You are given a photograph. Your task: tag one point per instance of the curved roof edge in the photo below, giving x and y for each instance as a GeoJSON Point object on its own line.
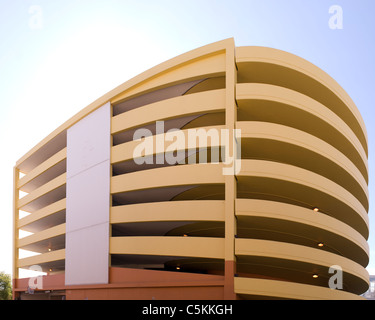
{"type": "Point", "coordinates": [297, 62]}
{"type": "Point", "coordinates": [226, 44]}
{"type": "Point", "coordinates": [287, 59]}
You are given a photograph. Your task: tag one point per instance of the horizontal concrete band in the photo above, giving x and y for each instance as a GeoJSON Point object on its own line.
{"type": "Point", "coordinates": [288, 290]}
{"type": "Point", "coordinates": [282, 250]}
{"type": "Point", "coordinates": [259, 168]}
{"type": "Point", "coordinates": [197, 103]}
{"type": "Point", "coordinates": [254, 91]}
{"type": "Point", "coordinates": [271, 131]}
{"type": "Point", "coordinates": [169, 246]}
{"type": "Point", "coordinates": [307, 70]}
{"type": "Point", "coordinates": [343, 237]}
{"type": "Point", "coordinates": [169, 211]}
{"type": "Point", "coordinates": [41, 258]}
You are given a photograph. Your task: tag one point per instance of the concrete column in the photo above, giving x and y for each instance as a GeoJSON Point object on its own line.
{"type": "Point", "coordinates": [230, 180]}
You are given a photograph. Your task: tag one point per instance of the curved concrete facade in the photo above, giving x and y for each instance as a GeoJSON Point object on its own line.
{"type": "Point", "coordinates": [258, 192]}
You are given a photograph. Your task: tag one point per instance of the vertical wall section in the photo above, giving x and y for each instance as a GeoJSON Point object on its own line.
{"type": "Point", "coordinates": [88, 197]}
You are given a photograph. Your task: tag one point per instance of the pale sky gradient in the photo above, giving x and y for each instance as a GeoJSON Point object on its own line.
{"type": "Point", "coordinates": [82, 49]}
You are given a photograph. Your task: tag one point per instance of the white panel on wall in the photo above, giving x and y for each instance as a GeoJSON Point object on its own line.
{"type": "Point", "coordinates": [88, 199]}
{"type": "Point", "coordinates": [89, 141]}
{"type": "Point", "coordinates": [88, 256]}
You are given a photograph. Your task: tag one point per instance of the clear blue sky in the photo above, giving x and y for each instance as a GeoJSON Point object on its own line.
{"type": "Point", "coordinates": [58, 56]}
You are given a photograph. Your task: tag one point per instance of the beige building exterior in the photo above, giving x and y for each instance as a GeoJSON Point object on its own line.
{"type": "Point", "coordinates": [121, 207]}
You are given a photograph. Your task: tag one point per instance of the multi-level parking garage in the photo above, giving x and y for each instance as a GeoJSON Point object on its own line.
{"type": "Point", "coordinates": [108, 226]}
